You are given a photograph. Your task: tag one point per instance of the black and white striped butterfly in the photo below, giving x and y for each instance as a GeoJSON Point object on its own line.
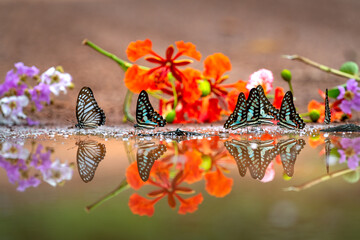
{"type": "Point", "coordinates": [267, 111]}
{"type": "Point", "coordinates": [238, 118]}
{"type": "Point", "coordinates": [253, 155]}
{"type": "Point", "coordinates": [89, 155]}
{"type": "Point", "coordinates": [147, 154]}
{"type": "Point", "coordinates": [327, 119]}
{"type": "Point", "coordinates": [146, 117]}
{"type": "Point", "coordinates": [289, 150]}
{"type": "Point", "coordinates": [327, 153]}
{"type": "Point", "coordinates": [288, 117]}
{"type": "Point", "coordinates": [88, 113]}
{"type": "Point", "coordinates": [253, 108]}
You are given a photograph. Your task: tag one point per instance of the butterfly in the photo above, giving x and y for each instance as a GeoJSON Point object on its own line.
{"type": "Point", "coordinates": [288, 150]}
{"type": "Point", "coordinates": [88, 113]}
{"type": "Point", "coordinates": [327, 152]}
{"type": "Point", "coordinates": [253, 108]}
{"type": "Point", "coordinates": [89, 154]}
{"type": "Point", "coordinates": [252, 155]}
{"type": "Point", "coordinates": [146, 117]}
{"type": "Point", "coordinates": [238, 118]}
{"type": "Point", "coordinates": [327, 109]}
{"type": "Point", "coordinates": [147, 153]}
{"type": "Point", "coordinates": [267, 111]}
{"type": "Point", "coordinates": [288, 117]}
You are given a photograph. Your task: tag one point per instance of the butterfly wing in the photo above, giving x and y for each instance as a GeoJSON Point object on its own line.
{"type": "Point", "coordinates": [240, 153]}
{"type": "Point", "coordinates": [267, 111]}
{"type": "Point", "coordinates": [289, 149]}
{"type": "Point", "coordinates": [238, 118]}
{"type": "Point", "coordinates": [89, 154]}
{"type": "Point", "coordinates": [253, 107]}
{"type": "Point", "coordinates": [327, 119]}
{"type": "Point", "coordinates": [88, 113]}
{"type": "Point", "coordinates": [146, 117]}
{"type": "Point", "coordinates": [146, 156]}
{"type": "Point", "coordinates": [288, 117]}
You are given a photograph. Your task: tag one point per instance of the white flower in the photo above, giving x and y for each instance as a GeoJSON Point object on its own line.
{"type": "Point", "coordinates": [14, 151]}
{"type": "Point", "coordinates": [262, 77]}
{"type": "Point", "coordinates": [57, 173]}
{"type": "Point", "coordinates": [56, 80]}
{"type": "Point", "coordinates": [12, 107]}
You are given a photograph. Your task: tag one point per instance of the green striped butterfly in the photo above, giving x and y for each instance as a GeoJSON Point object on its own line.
{"type": "Point", "coordinates": [146, 117]}
{"type": "Point", "coordinates": [267, 111]}
{"type": "Point", "coordinates": [288, 117]}
{"type": "Point", "coordinates": [253, 108]}
{"type": "Point", "coordinates": [238, 118]}
{"type": "Point", "coordinates": [327, 119]}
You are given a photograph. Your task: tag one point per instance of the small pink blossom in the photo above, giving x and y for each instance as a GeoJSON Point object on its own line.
{"type": "Point", "coordinates": [262, 77]}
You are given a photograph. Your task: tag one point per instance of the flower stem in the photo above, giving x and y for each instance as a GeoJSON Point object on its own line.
{"type": "Point", "coordinates": [123, 64]}
{"type": "Point", "coordinates": [321, 67]}
{"type": "Point", "coordinates": [123, 186]}
{"type": "Point", "coordinates": [126, 108]}
{"type": "Point", "coordinates": [320, 180]}
{"type": "Point", "coordinates": [172, 81]}
{"type": "Point", "coordinates": [290, 86]}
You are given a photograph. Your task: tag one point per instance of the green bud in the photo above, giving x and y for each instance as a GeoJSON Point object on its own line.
{"type": "Point", "coordinates": [350, 68]}
{"type": "Point", "coordinates": [170, 116]}
{"type": "Point", "coordinates": [205, 87]}
{"type": "Point", "coordinates": [314, 115]}
{"type": "Point", "coordinates": [352, 177]}
{"type": "Point", "coordinates": [286, 177]}
{"type": "Point", "coordinates": [71, 86]}
{"type": "Point", "coordinates": [286, 75]}
{"type": "Point", "coordinates": [206, 162]}
{"type": "Point", "coordinates": [60, 69]}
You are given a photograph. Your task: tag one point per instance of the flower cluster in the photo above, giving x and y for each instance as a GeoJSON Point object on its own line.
{"type": "Point", "coordinates": [23, 86]}
{"type": "Point", "coordinates": [27, 169]}
{"type": "Point", "coordinates": [194, 95]}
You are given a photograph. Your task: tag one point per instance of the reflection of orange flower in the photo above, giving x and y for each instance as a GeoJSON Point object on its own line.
{"type": "Point", "coordinates": [137, 79]}
{"type": "Point", "coordinates": [316, 141]}
{"type": "Point", "coordinates": [132, 176]}
{"type": "Point", "coordinates": [192, 171]}
{"type": "Point", "coordinates": [142, 206]}
{"type": "Point", "coordinates": [190, 205]}
{"type": "Point", "coordinates": [217, 184]}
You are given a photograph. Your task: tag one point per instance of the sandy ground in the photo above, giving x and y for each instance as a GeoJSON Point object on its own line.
{"type": "Point", "coordinates": [253, 33]}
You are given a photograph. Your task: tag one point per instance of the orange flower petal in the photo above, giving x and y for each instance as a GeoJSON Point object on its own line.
{"type": "Point", "coordinates": [192, 171]}
{"type": "Point", "coordinates": [132, 176]}
{"type": "Point", "coordinates": [190, 205]}
{"type": "Point", "coordinates": [141, 206]}
{"type": "Point", "coordinates": [191, 91]}
{"type": "Point", "coordinates": [188, 49]}
{"type": "Point", "coordinates": [217, 184]}
{"type": "Point", "coordinates": [138, 49]}
{"type": "Point", "coordinates": [216, 65]}
{"type": "Point", "coordinates": [279, 94]}
{"type": "Point", "coordinates": [137, 79]}
{"type": "Point", "coordinates": [210, 110]}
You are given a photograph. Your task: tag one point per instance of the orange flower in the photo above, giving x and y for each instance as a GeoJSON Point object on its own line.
{"type": "Point", "coordinates": [157, 76]}
{"type": "Point", "coordinates": [217, 184]}
{"type": "Point", "coordinates": [192, 171]}
{"type": "Point", "coordinates": [142, 206]}
{"type": "Point", "coordinates": [190, 205]}
{"type": "Point", "coordinates": [210, 110]}
{"type": "Point", "coordinates": [279, 95]}
{"type": "Point", "coordinates": [190, 89]}
{"type": "Point", "coordinates": [320, 107]}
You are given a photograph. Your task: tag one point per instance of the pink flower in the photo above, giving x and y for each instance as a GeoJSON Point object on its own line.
{"type": "Point", "coordinates": [269, 174]}
{"type": "Point", "coordinates": [350, 97]}
{"type": "Point", "coordinates": [262, 77]}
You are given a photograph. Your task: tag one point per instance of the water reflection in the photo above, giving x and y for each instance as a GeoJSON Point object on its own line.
{"type": "Point", "coordinates": [256, 155]}
{"type": "Point", "coordinates": [147, 154]}
{"type": "Point", "coordinates": [27, 168]}
{"type": "Point", "coordinates": [88, 157]}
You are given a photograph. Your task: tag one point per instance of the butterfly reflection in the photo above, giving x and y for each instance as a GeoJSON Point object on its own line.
{"type": "Point", "coordinates": [256, 155]}
{"type": "Point", "coordinates": [147, 153]}
{"type": "Point", "coordinates": [89, 155]}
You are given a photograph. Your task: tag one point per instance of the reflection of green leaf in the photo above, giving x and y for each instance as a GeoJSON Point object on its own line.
{"type": "Point", "coordinates": [334, 152]}
{"type": "Point", "coordinates": [352, 177]}
{"type": "Point", "coordinates": [206, 162]}
{"type": "Point", "coordinates": [350, 68]}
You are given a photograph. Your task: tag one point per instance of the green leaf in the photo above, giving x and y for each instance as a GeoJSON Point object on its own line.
{"type": "Point", "coordinates": [350, 68]}
{"type": "Point", "coordinates": [334, 92]}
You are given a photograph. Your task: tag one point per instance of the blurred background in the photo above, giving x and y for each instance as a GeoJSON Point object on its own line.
{"type": "Point", "coordinates": [252, 33]}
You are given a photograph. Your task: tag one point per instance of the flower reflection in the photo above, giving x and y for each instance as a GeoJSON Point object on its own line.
{"type": "Point", "coordinates": [350, 152]}
{"type": "Point", "coordinates": [25, 169]}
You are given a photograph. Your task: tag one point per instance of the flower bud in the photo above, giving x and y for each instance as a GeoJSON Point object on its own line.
{"type": "Point", "coordinates": [204, 87]}
{"type": "Point", "coordinates": [286, 177]}
{"type": "Point", "coordinates": [350, 68]}
{"type": "Point", "coordinates": [170, 116]}
{"type": "Point", "coordinates": [59, 69]}
{"type": "Point", "coordinates": [286, 75]}
{"type": "Point", "coordinates": [352, 177]}
{"type": "Point", "coordinates": [314, 115]}
{"type": "Point", "coordinates": [206, 162]}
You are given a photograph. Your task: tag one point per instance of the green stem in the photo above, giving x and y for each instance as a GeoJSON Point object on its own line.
{"type": "Point", "coordinates": [290, 86]}
{"type": "Point", "coordinates": [122, 187]}
{"type": "Point", "coordinates": [172, 81]}
{"type": "Point", "coordinates": [321, 67]}
{"type": "Point", "coordinates": [123, 64]}
{"type": "Point", "coordinates": [320, 180]}
{"type": "Point", "coordinates": [126, 108]}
